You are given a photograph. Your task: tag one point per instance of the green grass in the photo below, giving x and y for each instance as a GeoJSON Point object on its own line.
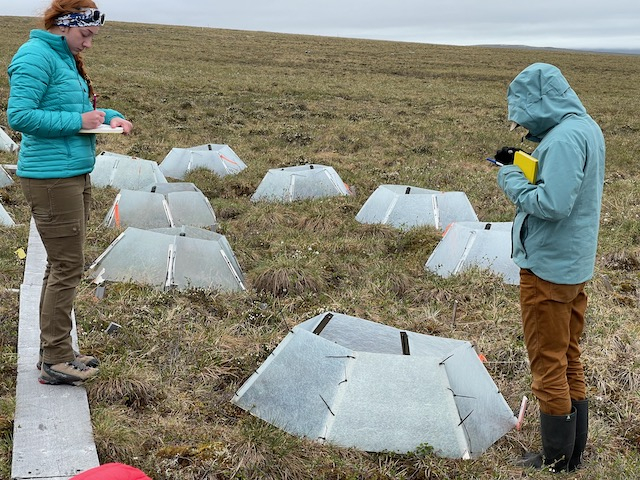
{"type": "Point", "coordinates": [378, 112]}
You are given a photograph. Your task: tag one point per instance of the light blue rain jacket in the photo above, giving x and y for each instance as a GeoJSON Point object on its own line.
{"type": "Point", "coordinates": [46, 102]}
{"type": "Point", "coordinates": [555, 230]}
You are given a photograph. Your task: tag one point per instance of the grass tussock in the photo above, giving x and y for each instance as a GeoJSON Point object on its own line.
{"type": "Point", "coordinates": [378, 113]}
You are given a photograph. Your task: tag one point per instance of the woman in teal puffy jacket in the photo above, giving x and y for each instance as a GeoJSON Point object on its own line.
{"type": "Point", "coordinates": [50, 101]}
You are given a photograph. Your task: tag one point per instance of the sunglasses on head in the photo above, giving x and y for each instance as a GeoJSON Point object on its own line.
{"type": "Point", "coordinates": [96, 15]}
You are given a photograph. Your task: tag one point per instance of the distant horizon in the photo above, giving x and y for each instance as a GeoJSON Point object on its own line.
{"type": "Point", "coordinates": [605, 50]}
{"type": "Point", "coordinates": [613, 26]}
{"type": "Point", "coordinates": [620, 51]}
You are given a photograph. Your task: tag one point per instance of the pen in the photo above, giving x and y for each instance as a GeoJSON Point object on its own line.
{"type": "Point", "coordinates": [495, 162]}
{"type": "Point", "coordinates": [95, 98]}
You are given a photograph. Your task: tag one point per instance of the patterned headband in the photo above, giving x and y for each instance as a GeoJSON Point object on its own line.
{"type": "Point", "coordinates": [90, 17]}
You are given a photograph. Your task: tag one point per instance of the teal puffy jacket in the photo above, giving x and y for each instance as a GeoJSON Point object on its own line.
{"type": "Point", "coordinates": [46, 101]}
{"type": "Point", "coordinates": [555, 230]}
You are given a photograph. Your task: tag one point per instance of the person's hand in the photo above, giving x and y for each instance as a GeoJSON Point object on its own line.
{"type": "Point", "coordinates": [126, 125]}
{"type": "Point", "coordinates": [92, 119]}
{"type": "Point", "coordinates": [505, 155]}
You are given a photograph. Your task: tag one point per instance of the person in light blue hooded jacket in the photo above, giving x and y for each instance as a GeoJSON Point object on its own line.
{"type": "Point", "coordinates": [554, 237]}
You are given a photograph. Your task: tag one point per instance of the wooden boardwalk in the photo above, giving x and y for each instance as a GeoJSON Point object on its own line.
{"type": "Point", "coordinates": [52, 435]}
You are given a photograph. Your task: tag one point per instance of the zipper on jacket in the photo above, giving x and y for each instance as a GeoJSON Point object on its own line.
{"type": "Point", "coordinates": [524, 226]}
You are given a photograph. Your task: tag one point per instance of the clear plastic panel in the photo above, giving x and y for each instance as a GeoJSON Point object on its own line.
{"type": "Point", "coordinates": [475, 244]}
{"type": "Point", "coordinates": [368, 336]}
{"type": "Point", "coordinates": [139, 256]}
{"type": "Point", "coordinates": [170, 187]}
{"type": "Point", "coordinates": [142, 256]}
{"type": "Point", "coordinates": [297, 384]}
{"type": "Point", "coordinates": [200, 264]}
{"type": "Point", "coordinates": [138, 209]}
{"type": "Point", "coordinates": [298, 183]}
{"type": "Point", "coordinates": [396, 403]}
{"type": "Point", "coordinates": [191, 232]}
{"type": "Point", "coordinates": [350, 385]}
{"type": "Point", "coordinates": [191, 208]}
{"type": "Point", "coordinates": [125, 172]}
{"type": "Point", "coordinates": [405, 207]}
{"type": "Point", "coordinates": [136, 174]}
{"type": "Point", "coordinates": [5, 218]}
{"type": "Point", "coordinates": [5, 178]}
{"type": "Point", "coordinates": [220, 159]}
{"type": "Point", "coordinates": [486, 414]}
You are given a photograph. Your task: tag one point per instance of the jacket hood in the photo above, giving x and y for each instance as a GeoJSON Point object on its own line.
{"type": "Point", "coordinates": [539, 98]}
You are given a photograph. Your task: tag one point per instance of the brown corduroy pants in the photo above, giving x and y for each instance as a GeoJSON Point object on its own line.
{"type": "Point", "coordinates": [553, 321]}
{"type": "Point", "coordinates": [60, 209]}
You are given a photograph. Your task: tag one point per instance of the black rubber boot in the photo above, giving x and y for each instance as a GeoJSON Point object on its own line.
{"type": "Point", "coordinates": [558, 439]}
{"type": "Point", "coordinates": [558, 434]}
{"type": "Point", "coordinates": [582, 430]}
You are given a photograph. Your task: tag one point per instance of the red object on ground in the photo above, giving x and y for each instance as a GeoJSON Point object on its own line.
{"type": "Point", "coordinates": [112, 471]}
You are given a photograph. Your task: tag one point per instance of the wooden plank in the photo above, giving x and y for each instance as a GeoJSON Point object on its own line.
{"type": "Point", "coordinates": [52, 436]}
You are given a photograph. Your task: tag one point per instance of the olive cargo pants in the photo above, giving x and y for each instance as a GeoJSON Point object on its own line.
{"type": "Point", "coordinates": [553, 321]}
{"type": "Point", "coordinates": [60, 209]}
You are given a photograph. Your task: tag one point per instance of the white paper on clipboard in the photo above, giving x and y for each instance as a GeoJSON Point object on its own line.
{"type": "Point", "coordinates": [104, 128]}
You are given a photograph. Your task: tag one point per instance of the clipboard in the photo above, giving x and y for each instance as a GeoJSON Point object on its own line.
{"type": "Point", "coordinates": [528, 165]}
{"type": "Point", "coordinates": [104, 128]}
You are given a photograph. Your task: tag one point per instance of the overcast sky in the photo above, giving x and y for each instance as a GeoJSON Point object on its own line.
{"type": "Point", "coordinates": [589, 24]}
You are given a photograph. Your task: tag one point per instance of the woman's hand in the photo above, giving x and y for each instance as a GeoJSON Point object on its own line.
{"type": "Point", "coordinates": [126, 125]}
{"type": "Point", "coordinates": [92, 119]}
